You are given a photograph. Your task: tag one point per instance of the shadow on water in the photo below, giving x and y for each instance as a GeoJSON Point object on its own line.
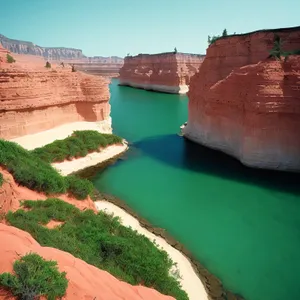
{"type": "Point", "coordinates": [181, 153]}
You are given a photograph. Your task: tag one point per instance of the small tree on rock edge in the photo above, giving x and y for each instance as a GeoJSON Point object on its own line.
{"type": "Point", "coordinates": [48, 65]}
{"type": "Point", "coordinates": [10, 59]}
{"type": "Point", "coordinates": [224, 32]}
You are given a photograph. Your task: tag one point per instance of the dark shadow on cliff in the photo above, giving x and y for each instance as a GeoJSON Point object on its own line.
{"type": "Point", "coordinates": [181, 153]}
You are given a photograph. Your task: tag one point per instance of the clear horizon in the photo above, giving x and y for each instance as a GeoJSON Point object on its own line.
{"type": "Point", "coordinates": [134, 26]}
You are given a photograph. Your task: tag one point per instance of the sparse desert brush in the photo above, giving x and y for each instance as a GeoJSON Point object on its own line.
{"type": "Point", "coordinates": [35, 277]}
{"type": "Point", "coordinates": [29, 170]}
{"type": "Point", "coordinates": [100, 240]}
{"type": "Point", "coordinates": [79, 144]}
{"type": "Point", "coordinates": [10, 59]}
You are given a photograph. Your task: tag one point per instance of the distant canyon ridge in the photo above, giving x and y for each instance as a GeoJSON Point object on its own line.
{"type": "Point", "coordinates": [97, 65]}
{"type": "Point", "coordinates": [168, 72]}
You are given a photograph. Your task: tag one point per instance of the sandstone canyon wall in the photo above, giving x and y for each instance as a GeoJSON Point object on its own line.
{"type": "Point", "coordinates": [247, 104]}
{"type": "Point", "coordinates": [23, 47]}
{"type": "Point", "coordinates": [165, 72]}
{"type": "Point", "coordinates": [97, 65]}
{"type": "Point", "coordinates": [34, 99]}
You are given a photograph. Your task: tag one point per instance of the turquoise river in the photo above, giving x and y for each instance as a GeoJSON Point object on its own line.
{"type": "Point", "coordinates": [242, 224]}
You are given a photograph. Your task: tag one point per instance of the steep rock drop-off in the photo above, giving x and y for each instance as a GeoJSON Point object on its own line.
{"type": "Point", "coordinates": [34, 98]}
{"type": "Point", "coordinates": [164, 72]}
{"type": "Point", "coordinates": [85, 281]}
{"type": "Point", "coordinates": [247, 104]}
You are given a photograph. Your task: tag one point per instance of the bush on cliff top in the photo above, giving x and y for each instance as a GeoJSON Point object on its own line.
{"type": "Point", "coordinates": [10, 59]}
{"type": "Point", "coordinates": [48, 65]}
{"type": "Point", "coordinates": [212, 39]}
{"type": "Point", "coordinates": [35, 277]}
{"type": "Point", "coordinates": [34, 173]}
{"type": "Point", "coordinates": [79, 144]}
{"type": "Point", "coordinates": [100, 240]}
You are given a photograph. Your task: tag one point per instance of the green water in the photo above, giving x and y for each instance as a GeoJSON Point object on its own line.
{"type": "Point", "coordinates": [242, 224]}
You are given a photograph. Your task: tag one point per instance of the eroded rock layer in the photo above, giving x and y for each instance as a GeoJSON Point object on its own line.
{"type": "Point", "coordinates": [246, 103]}
{"type": "Point", "coordinates": [85, 281]}
{"type": "Point", "coordinates": [34, 99]}
{"type": "Point", "coordinates": [165, 72]}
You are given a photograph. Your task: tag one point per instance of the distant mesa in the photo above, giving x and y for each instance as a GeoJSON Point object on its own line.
{"type": "Point", "coordinates": [168, 72]}
{"type": "Point", "coordinates": [96, 65]}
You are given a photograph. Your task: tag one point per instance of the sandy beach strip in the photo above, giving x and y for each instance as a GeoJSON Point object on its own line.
{"type": "Point", "coordinates": [40, 139]}
{"type": "Point", "coordinates": [92, 159]}
{"type": "Point", "coordinates": [190, 282]}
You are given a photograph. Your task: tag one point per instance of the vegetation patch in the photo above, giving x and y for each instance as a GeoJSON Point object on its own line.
{"type": "Point", "coordinates": [100, 240]}
{"type": "Point", "coordinates": [277, 51]}
{"type": "Point", "coordinates": [35, 277]}
{"type": "Point", "coordinates": [79, 144]}
{"type": "Point", "coordinates": [214, 38]}
{"type": "Point", "coordinates": [34, 173]}
{"type": "Point", "coordinates": [10, 59]}
{"type": "Point", "coordinates": [1, 179]}
{"type": "Point", "coordinates": [48, 65]}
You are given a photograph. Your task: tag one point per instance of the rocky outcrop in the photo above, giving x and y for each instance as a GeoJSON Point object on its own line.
{"type": "Point", "coordinates": [247, 104]}
{"type": "Point", "coordinates": [85, 281]}
{"type": "Point", "coordinates": [164, 72]}
{"type": "Point", "coordinates": [11, 195]}
{"type": "Point", "coordinates": [22, 47]}
{"type": "Point", "coordinates": [34, 99]}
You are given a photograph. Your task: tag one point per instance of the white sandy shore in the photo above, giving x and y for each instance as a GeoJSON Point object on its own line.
{"type": "Point", "coordinates": [92, 159]}
{"type": "Point", "coordinates": [190, 281]}
{"type": "Point", "coordinates": [40, 139]}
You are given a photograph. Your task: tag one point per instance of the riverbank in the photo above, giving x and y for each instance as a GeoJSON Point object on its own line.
{"type": "Point", "coordinates": [180, 89]}
{"type": "Point", "coordinates": [70, 166]}
{"type": "Point", "coordinates": [40, 139]}
{"type": "Point", "coordinates": [209, 286]}
{"type": "Point", "coordinates": [189, 280]}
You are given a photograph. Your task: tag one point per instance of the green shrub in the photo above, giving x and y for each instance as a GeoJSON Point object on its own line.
{"type": "Point", "coordinates": [35, 277]}
{"type": "Point", "coordinates": [10, 59]}
{"type": "Point", "coordinates": [77, 145]}
{"type": "Point", "coordinates": [214, 38]}
{"type": "Point", "coordinates": [100, 240]}
{"type": "Point", "coordinates": [276, 52]}
{"type": "Point", "coordinates": [48, 65]}
{"type": "Point", "coordinates": [1, 179]}
{"type": "Point", "coordinates": [29, 170]}
{"type": "Point", "coordinates": [112, 139]}
{"type": "Point", "coordinates": [79, 188]}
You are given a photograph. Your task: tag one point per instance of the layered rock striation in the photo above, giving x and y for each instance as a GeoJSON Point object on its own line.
{"type": "Point", "coordinates": [164, 72]}
{"type": "Point", "coordinates": [34, 99]}
{"type": "Point", "coordinates": [23, 47]}
{"type": "Point", "coordinates": [96, 65]}
{"type": "Point", "coordinates": [246, 103]}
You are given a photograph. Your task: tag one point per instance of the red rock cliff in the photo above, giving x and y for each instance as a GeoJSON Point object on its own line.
{"type": "Point", "coordinates": [246, 104]}
{"type": "Point", "coordinates": [165, 72]}
{"type": "Point", "coordinates": [33, 98]}
{"type": "Point", "coordinates": [85, 281]}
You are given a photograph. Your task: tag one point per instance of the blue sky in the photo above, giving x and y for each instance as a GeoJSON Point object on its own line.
{"type": "Point", "coordinates": [118, 27]}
